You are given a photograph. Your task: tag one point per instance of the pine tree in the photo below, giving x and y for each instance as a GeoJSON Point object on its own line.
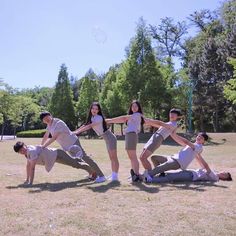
{"type": "Point", "coordinates": [61, 105]}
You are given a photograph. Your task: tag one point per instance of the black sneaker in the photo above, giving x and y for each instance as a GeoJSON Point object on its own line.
{"type": "Point", "coordinates": [162, 174]}
{"type": "Point", "coordinates": [135, 177]}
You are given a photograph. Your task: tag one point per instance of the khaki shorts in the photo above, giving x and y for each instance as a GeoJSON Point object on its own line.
{"type": "Point", "coordinates": [110, 140]}
{"type": "Point", "coordinates": [154, 142]}
{"type": "Point", "coordinates": [131, 140]}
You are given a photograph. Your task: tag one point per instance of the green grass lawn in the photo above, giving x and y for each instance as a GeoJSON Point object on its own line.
{"type": "Point", "coordinates": [62, 202]}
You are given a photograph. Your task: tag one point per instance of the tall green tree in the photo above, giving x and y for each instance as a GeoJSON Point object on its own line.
{"type": "Point", "coordinates": [139, 76]}
{"type": "Point", "coordinates": [62, 105]}
{"type": "Point", "coordinates": [89, 93]}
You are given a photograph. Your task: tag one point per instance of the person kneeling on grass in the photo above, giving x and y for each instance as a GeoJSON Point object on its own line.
{"type": "Point", "coordinates": [192, 176]}
{"type": "Point", "coordinates": [182, 159]}
{"type": "Point", "coordinates": [47, 157]}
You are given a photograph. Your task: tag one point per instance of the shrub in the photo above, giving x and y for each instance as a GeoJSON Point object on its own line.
{"type": "Point", "coordinates": [31, 133]}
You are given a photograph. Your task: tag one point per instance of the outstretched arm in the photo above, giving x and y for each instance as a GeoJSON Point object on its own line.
{"type": "Point", "coordinates": [119, 119]}
{"type": "Point", "coordinates": [182, 141]}
{"type": "Point", "coordinates": [158, 123]}
{"type": "Point", "coordinates": [45, 137]}
{"type": "Point", "coordinates": [31, 171]}
{"type": "Point", "coordinates": [27, 172]}
{"type": "Point", "coordinates": [51, 140]}
{"type": "Point", "coordinates": [203, 163]}
{"type": "Point", "coordinates": [82, 129]}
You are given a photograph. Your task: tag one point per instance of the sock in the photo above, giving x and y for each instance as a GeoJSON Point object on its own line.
{"type": "Point", "coordinates": [114, 175]}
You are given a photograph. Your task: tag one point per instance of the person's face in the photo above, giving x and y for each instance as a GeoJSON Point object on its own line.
{"type": "Point", "coordinates": [94, 110]}
{"type": "Point", "coordinates": [47, 119]}
{"type": "Point", "coordinates": [200, 139]}
{"type": "Point", "coordinates": [223, 175]}
{"type": "Point", "coordinates": [23, 150]}
{"type": "Point", "coordinates": [173, 116]}
{"type": "Point", "coordinates": [134, 107]}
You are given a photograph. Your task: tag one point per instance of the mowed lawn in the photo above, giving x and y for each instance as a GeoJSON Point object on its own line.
{"type": "Point", "coordinates": [62, 202]}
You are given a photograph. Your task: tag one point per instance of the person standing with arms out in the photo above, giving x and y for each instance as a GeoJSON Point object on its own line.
{"type": "Point", "coordinates": [97, 122]}
{"type": "Point", "coordinates": [68, 141]}
{"type": "Point", "coordinates": [165, 129]}
{"type": "Point", "coordinates": [134, 120]}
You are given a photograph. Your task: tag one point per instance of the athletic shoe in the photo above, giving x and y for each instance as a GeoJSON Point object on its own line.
{"type": "Point", "coordinates": [162, 174]}
{"type": "Point", "coordinates": [112, 178]}
{"type": "Point", "coordinates": [147, 177]}
{"type": "Point", "coordinates": [135, 177]}
{"type": "Point", "coordinates": [92, 176]}
{"type": "Point", "coordinates": [100, 179]}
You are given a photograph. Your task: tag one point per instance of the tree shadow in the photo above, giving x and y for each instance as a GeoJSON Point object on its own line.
{"type": "Point", "coordinates": [53, 187]}
{"type": "Point", "coordinates": [199, 186]}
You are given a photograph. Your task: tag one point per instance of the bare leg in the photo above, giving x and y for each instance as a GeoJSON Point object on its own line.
{"type": "Point", "coordinates": [144, 159]}
{"type": "Point", "coordinates": [134, 160]}
{"type": "Point", "coordinates": [114, 160]}
{"type": "Point", "coordinates": [157, 160]}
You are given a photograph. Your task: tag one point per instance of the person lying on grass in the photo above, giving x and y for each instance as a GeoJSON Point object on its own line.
{"type": "Point", "coordinates": [183, 158]}
{"type": "Point", "coordinates": [189, 175]}
{"type": "Point", "coordinates": [47, 157]}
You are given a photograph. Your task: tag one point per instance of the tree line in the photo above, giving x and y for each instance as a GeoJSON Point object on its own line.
{"type": "Point", "coordinates": [205, 83]}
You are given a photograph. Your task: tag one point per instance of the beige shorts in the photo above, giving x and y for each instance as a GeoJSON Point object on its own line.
{"type": "Point", "coordinates": [154, 142]}
{"type": "Point", "coordinates": [131, 140]}
{"type": "Point", "coordinates": [110, 140]}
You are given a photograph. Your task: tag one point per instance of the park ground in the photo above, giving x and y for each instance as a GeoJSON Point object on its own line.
{"type": "Point", "coordinates": [62, 202]}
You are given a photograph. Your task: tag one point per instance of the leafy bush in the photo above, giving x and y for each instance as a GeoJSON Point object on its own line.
{"type": "Point", "coordinates": [31, 133]}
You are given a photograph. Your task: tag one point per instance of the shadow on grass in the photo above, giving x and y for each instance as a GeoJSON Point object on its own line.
{"type": "Point", "coordinates": [104, 187]}
{"type": "Point", "coordinates": [116, 184]}
{"type": "Point", "coordinates": [192, 186]}
{"type": "Point", "coordinates": [53, 187]}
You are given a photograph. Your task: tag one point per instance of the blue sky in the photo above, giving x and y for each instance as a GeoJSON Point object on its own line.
{"type": "Point", "coordinates": [36, 37]}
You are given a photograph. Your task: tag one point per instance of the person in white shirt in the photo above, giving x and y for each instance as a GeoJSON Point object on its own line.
{"type": "Point", "coordinates": [47, 157]}
{"type": "Point", "coordinates": [134, 121]}
{"type": "Point", "coordinates": [182, 159]}
{"type": "Point", "coordinates": [97, 122]}
{"type": "Point", "coordinates": [165, 129]}
{"type": "Point", "coordinates": [68, 141]}
{"type": "Point", "coordinates": [192, 176]}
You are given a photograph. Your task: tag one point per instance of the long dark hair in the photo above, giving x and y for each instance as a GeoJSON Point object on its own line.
{"type": "Point", "coordinates": [89, 117]}
{"type": "Point", "coordinates": [130, 112]}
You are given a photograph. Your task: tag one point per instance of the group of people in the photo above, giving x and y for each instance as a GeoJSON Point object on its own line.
{"type": "Point", "coordinates": [72, 154]}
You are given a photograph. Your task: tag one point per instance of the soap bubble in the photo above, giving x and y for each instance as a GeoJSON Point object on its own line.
{"type": "Point", "coordinates": [99, 35]}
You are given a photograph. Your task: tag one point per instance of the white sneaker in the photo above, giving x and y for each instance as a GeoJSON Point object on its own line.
{"type": "Point", "coordinates": [147, 177]}
{"type": "Point", "coordinates": [100, 179]}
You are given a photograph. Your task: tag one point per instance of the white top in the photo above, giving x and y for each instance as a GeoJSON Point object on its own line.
{"type": "Point", "coordinates": [201, 174]}
{"type": "Point", "coordinates": [134, 123]}
{"type": "Point", "coordinates": [98, 128]}
{"type": "Point", "coordinates": [66, 138]}
{"type": "Point", "coordinates": [187, 154]}
{"type": "Point", "coordinates": [164, 132]}
{"type": "Point", "coordinates": [44, 156]}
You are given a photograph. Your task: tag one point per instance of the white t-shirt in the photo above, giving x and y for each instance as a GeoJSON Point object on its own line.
{"type": "Point", "coordinates": [44, 156]}
{"type": "Point", "coordinates": [201, 174]}
{"type": "Point", "coordinates": [66, 138]}
{"type": "Point", "coordinates": [98, 128]}
{"type": "Point", "coordinates": [134, 123]}
{"type": "Point", "coordinates": [187, 154]}
{"type": "Point", "coordinates": [164, 132]}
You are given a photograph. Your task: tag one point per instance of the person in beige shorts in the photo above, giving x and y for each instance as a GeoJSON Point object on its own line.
{"type": "Point", "coordinates": [97, 122]}
{"type": "Point", "coordinates": [165, 129]}
{"type": "Point", "coordinates": [47, 157]}
{"type": "Point", "coordinates": [68, 141]}
{"type": "Point", "coordinates": [134, 120]}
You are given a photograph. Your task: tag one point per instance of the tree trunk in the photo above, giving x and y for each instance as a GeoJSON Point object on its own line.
{"type": "Point", "coordinates": [121, 129]}
{"type": "Point", "coordinates": [3, 127]}
{"type": "Point", "coordinates": [112, 128]}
